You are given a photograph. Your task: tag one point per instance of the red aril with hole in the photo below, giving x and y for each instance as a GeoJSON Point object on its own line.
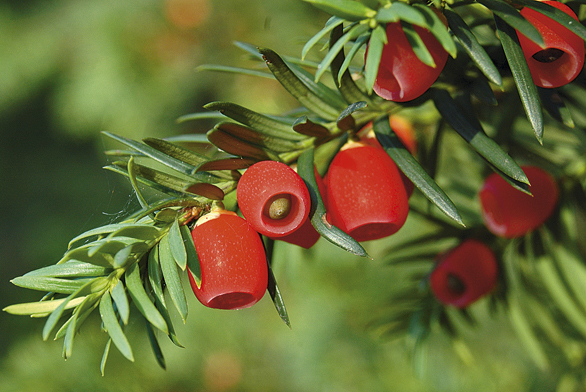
{"type": "Point", "coordinates": [562, 58]}
{"type": "Point", "coordinates": [464, 274]}
{"type": "Point", "coordinates": [273, 198]}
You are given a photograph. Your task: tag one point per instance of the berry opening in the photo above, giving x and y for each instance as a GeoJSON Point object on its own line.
{"type": "Point", "coordinates": [456, 286]}
{"type": "Point", "coordinates": [548, 55]}
{"type": "Point", "coordinates": [278, 207]}
{"type": "Point", "coordinates": [232, 301]}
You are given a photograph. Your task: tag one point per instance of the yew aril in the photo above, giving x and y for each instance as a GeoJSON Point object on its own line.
{"type": "Point", "coordinates": [464, 274]}
{"type": "Point", "coordinates": [562, 57]}
{"type": "Point", "coordinates": [510, 213]}
{"type": "Point", "coordinates": [366, 196]}
{"type": "Point", "coordinates": [401, 75]}
{"type": "Point", "coordinates": [273, 198]}
{"type": "Point", "coordinates": [234, 271]}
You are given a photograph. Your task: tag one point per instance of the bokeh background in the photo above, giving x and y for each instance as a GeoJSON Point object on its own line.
{"type": "Point", "coordinates": [72, 69]}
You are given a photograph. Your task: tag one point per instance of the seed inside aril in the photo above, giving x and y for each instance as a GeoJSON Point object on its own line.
{"type": "Point", "coordinates": [548, 55]}
{"type": "Point", "coordinates": [455, 285]}
{"type": "Point", "coordinates": [279, 207]}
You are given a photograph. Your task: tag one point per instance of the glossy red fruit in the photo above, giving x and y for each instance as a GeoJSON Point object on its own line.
{"type": "Point", "coordinates": [366, 196]}
{"type": "Point", "coordinates": [464, 274]}
{"type": "Point", "coordinates": [306, 236]}
{"type": "Point", "coordinates": [510, 213]}
{"type": "Point", "coordinates": [234, 272]}
{"type": "Point", "coordinates": [401, 75]}
{"type": "Point", "coordinates": [273, 198]}
{"type": "Point", "coordinates": [562, 59]}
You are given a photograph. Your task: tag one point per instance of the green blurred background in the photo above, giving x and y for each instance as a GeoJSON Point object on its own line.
{"type": "Point", "coordinates": [71, 69]}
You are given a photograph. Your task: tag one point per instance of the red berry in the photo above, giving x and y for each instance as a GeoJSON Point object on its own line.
{"type": "Point", "coordinates": [306, 236]}
{"type": "Point", "coordinates": [234, 272]}
{"type": "Point", "coordinates": [464, 274]}
{"type": "Point", "coordinates": [366, 196]}
{"type": "Point", "coordinates": [401, 75]}
{"type": "Point", "coordinates": [273, 198]}
{"type": "Point", "coordinates": [510, 213]}
{"type": "Point", "coordinates": [562, 57]}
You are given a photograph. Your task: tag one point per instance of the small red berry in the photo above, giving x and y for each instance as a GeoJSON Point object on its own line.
{"type": "Point", "coordinates": [562, 58]}
{"type": "Point", "coordinates": [510, 213]}
{"type": "Point", "coordinates": [366, 196]}
{"type": "Point", "coordinates": [273, 198]}
{"type": "Point", "coordinates": [234, 272]}
{"type": "Point", "coordinates": [306, 236]}
{"type": "Point", "coordinates": [401, 75]}
{"type": "Point", "coordinates": [464, 274]}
